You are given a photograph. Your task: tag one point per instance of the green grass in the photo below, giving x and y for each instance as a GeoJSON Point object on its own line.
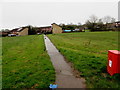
{"type": "Point", "coordinates": [87, 30]}
{"type": "Point", "coordinates": [88, 53]}
{"type": "Point", "coordinates": [25, 63]}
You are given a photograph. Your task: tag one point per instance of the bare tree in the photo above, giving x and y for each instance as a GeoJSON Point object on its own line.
{"type": "Point", "coordinates": [87, 22]}
{"type": "Point", "coordinates": [92, 22]}
{"type": "Point", "coordinates": [79, 24]}
{"type": "Point", "coordinates": [108, 19]}
{"type": "Point", "coordinates": [90, 25]}
{"type": "Point", "coordinates": [112, 20]}
{"type": "Point", "coordinates": [100, 21]}
{"type": "Point", "coordinates": [61, 24]}
{"type": "Point", "coordinates": [93, 19]}
{"type": "Point", "coordinates": [70, 23]}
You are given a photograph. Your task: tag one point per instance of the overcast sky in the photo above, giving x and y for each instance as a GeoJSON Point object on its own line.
{"type": "Point", "coordinates": [17, 13]}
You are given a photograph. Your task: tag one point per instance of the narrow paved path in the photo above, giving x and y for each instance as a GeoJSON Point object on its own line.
{"type": "Point", "coordinates": [64, 73]}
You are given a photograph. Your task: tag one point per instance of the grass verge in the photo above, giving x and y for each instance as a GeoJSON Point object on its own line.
{"type": "Point", "coordinates": [25, 63]}
{"type": "Point", "coordinates": [88, 53]}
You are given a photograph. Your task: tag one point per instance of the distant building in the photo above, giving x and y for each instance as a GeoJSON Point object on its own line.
{"type": "Point", "coordinates": [4, 33]}
{"type": "Point", "coordinates": [19, 32]}
{"type": "Point", "coordinates": [117, 24]}
{"type": "Point", "coordinates": [77, 29]}
{"type": "Point", "coordinates": [81, 29]}
{"type": "Point", "coordinates": [45, 30]}
{"type": "Point", "coordinates": [22, 31]}
{"type": "Point", "coordinates": [49, 29]}
{"type": "Point", "coordinates": [113, 26]}
{"type": "Point", "coordinates": [56, 28]}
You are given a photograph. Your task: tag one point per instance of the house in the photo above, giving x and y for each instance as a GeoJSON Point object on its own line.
{"type": "Point", "coordinates": [19, 32]}
{"type": "Point", "coordinates": [117, 24]}
{"type": "Point", "coordinates": [49, 29]}
{"type": "Point", "coordinates": [4, 33]}
{"type": "Point", "coordinates": [80, 29]}
{"type": "Point", "coordinates": [23, 31]}
{"type": "Point", "coordinates": [45, 30]}
{"type": "Point", "coordinates": [56, 28]}
{"type": "Point", "coordinates": [114, 26]}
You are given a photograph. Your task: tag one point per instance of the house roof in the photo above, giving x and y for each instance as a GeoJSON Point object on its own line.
{"type": "Point", "coordinates": [43, 27]}
{"type": "Point", "coordinates": [46, 27]}
{"type": "Point", "coordinates": [18, 29]}
{"type": "Point", "coordinates": [117, 22]}
{"type": "Point", "coordinates": [4, 33]}
{"type": "Point", "coordinates": [55, 24]}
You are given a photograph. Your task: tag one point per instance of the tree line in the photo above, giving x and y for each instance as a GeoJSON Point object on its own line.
{"type": "Point", "coordinates": [103, 24]}
{"type": "Point", "coordinates": [94, 23]}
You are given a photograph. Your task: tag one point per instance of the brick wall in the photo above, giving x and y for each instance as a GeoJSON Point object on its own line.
{"type": "Point", "coordinates": [56, 29]}
{"type": "Point", "coordinates": [23, 32]}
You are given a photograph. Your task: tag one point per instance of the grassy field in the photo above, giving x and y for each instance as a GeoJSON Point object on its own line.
{"type": "Point", "coordinates": [25, 63]}
{"type": "Point", "coordinates": [88, 53]}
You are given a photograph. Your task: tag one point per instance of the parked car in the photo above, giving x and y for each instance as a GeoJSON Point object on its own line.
{"type": "Point", "coordinates": [12, 35]}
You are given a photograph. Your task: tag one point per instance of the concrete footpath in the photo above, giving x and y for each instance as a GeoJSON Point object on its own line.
{"type": "Point", "coordinates": [64, 73]}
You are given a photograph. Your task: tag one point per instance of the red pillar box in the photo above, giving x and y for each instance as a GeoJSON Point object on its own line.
{"type": "Point", "coordinates": [113, 65]}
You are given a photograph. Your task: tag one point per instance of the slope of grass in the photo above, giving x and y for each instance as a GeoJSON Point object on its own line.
{"type": "Point", "coordinates": [88, 52]}
{"type": "Point", "coordinates": [25, 63]}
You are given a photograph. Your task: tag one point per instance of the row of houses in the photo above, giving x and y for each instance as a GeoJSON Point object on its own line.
{"type": "Point", "coordinates": [53, 29]}
{"type": "Point", "coordinates": [49, 29]}
{"type": "Point", "coordinates": [115, 25]}
{"type": "Point", "coordinates": [22, 31]}
{"type": "Point", "coordinates": [19, 31]}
